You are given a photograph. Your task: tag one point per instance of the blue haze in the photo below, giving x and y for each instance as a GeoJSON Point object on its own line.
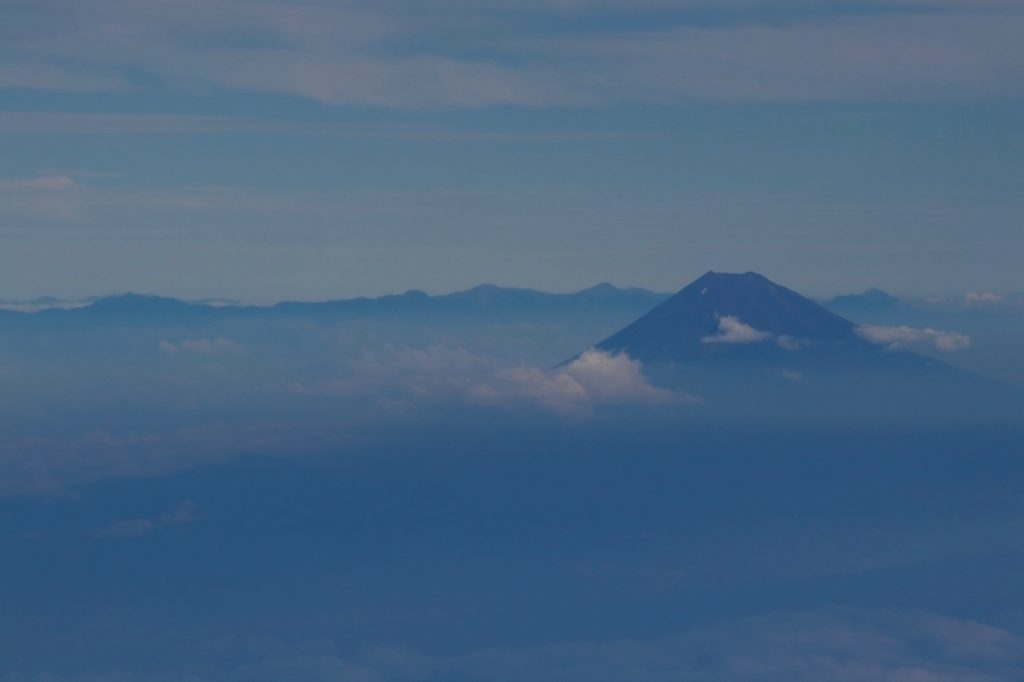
{"type": "Point", "coordinates": [403, 489]}
{"type": "Point", "coordinates": [269, 463]}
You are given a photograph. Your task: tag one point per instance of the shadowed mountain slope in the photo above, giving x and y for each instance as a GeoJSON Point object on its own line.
{"type": "Point", "coordinates": [745, 343]}
{"type": "Point", "coordinates": [735, 315]}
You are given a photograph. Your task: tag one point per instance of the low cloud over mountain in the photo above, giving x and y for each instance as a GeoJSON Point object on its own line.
{"type": "Point", "coordinates": [901, 337]}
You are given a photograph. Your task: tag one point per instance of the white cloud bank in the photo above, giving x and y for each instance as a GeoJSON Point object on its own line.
{"type": "Point", "coordinates": [982, 298]}
{"type": "Point", "coordinates": [900, 337]}
{"type": "Point", "coordinates": [439, 375]}
{"type": "Point", "coordinates": [594, 378]}
{"type": "Point", "coordinates": [731, 330]}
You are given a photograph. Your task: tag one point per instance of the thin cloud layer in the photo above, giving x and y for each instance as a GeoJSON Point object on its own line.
{"type": "Point", "coordinates": [40, 183]}
{"type": "Point", "coordinates": [903, 336]}
{"type": "Point", "coordinates": [485, 54]}
{"type": "Point", "coordinates": [802, 646]}
{"type": "Point", "coordinates": [157, 426]}
{"type": "Point", "coordinates": [185, 512]}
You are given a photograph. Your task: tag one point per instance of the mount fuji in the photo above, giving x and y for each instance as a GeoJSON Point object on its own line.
{"type": "Point", "coordinates": [738, 317]}
{"type": "Point", "coordinates": [741, 338]}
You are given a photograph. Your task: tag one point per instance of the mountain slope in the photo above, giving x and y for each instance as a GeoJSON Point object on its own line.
{"type": "Point", "coordinates": [745, 343]}
{"type": "Point", "coordinates": [734, 315]}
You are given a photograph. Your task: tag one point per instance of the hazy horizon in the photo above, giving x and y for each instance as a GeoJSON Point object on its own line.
{"type": "Point", "coordinates": [951, 295]}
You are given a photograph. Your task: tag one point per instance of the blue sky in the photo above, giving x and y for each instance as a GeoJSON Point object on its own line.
{"type": "Point", "coordinates": [266, 150]}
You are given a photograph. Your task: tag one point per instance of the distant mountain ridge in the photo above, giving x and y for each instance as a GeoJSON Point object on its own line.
{"type": "Point", "coordinates": [870, 303]}
{"type": "Point", "coordinates": [482, 299]}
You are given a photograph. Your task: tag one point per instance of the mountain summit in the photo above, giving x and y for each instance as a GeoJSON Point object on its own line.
{"type": "Point", "coordinates": [737, 316]}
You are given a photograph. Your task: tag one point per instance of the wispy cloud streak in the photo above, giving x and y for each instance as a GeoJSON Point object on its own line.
{"type": "Point", "coordinates": [899, 337]}
{"type": "Point", "coordinates": [486, 54]}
